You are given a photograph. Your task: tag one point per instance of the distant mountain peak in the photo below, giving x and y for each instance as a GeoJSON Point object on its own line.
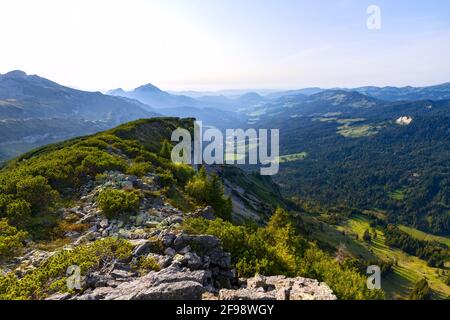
{"type": "Point", "coordinates": [17, 74]}
{"type": "Point", "coordinates": [149, 88]}
{"type": "Point", "coordinates": [115, 92]}
{"type": "Point", "coordinates": [251, 94]}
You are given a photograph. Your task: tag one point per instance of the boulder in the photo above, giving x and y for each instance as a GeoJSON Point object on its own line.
{"type": "Point", "coordinates": [104, 223]}
{"type": "Point", "coordinates": [168, 284]}
{"type": "Point", "coordinates": [170, 252]}
{"type": "Point", "coordinates": [193, 260]}
{"type": "Point", "coordinates": [279, 288]}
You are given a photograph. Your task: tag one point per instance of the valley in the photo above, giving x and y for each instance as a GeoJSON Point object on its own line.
{"type": "Point", "coordinates": [356, 186]}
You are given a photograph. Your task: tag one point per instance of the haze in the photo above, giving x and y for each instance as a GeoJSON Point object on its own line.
{"type": "Point", "coordinates": [211, 45]}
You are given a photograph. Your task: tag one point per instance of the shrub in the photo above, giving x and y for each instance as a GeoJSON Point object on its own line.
{"type": "Point", "coordinates": [139, 169]}
{"type": "Point", "coordinates": [277, 249]}
{"type": "Point", "coordinates": [19, 213]}
{"type": "Point", "coordinates": [51, 276]}
{"type": "Point", "coordinates": [182, 172]}
{"type": "Point", "coordinates": [146, 264]}
{"type": "Point", "coordinates": [166, 150]}
{"type": "Point", "coordinates": [116, 202]}
{"type": "Point", "coordinates": [165, 178]}
{"type": "Point", "coordinates": [99, 162]}
{"type": "Point", "coordinates": [10, 240]}
{"type": "Point", "coordinates": [210, 191]}
{"type": "Point", "coordinates": [367, 236]}
{"type": "Point", "coordinates": [37, 192]}
{"type": "Point", "coordinates": [421, 291]}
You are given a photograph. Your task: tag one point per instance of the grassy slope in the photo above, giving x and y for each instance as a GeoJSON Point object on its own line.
{"type": "Point", "coordinates": [410, 269]}
{"type": "Point", "coordinates": [425, 236]}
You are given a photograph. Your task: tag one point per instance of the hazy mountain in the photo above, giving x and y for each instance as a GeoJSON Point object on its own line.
{"type": "Point", "coordinates": [330, 101]}
{"type": "Point", "coordinates": [221, 119]}
{"type": "Point", "coordinates": [305, 91]}
{"type": "Point", "coordinates": [20, 135]}
{"type": "Point", "coordinates": [230, 93]}
{"type": "Point", "coordinates": [213, 110]}
{"type": "Point", "coordinates": [36, 111]}
{"type": "Point", "coordinates": [156, 98]}
{"type": "Point", "coordinates": [438, 92]}
{"type": "Point", "coordinates": [25, 96]}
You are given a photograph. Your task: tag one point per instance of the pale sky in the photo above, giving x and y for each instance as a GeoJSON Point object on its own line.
{"type": "Point", "coordinates": [227, 44]}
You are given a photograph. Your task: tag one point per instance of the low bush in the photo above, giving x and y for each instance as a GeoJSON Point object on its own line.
{"type": "Point", "coordinates": [114, 202]}
{"type": "Point", "coordinates": [10, 240]}
{"type": "Point", "coordinates": [277, 249]}
{"type": "Point", "coordinates": [51, 276]}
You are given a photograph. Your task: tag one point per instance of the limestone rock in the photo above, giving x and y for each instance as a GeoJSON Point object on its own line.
{"type": "Point", "coordinates": [279, 288]}
{"type": "Point", "coordinates": [168, 284]}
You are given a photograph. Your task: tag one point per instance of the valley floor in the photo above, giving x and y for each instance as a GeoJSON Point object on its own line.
{"type": "Point", "coordinates": [409, 269]}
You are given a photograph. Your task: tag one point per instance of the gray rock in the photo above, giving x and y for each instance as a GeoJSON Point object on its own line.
{"type": "Point", "coordinates": [162, 260]}
{"type": "Point", "coordinates": [104, 223]}
{"type": "Point", "coordinates": [185, 250]}
{"type": "Point", "coordinates": [59, 296]}
{"type": "Point", "coordinates": [142, 248]}
{"type": "Point", "coordinates": [279, 288]}
{"type": "Point", "coordinates": [151, 224]}
{"type": "Point", "coordinates": [181, 241]}
{"type": "Point", "coordinates": [167, 284]}
{"type": "Point", "coordinates": [142, 218]}
{"type": "Point", "coordinates": [174, 220]}
{"type": "Point", "coordinates": [89, 236]}
{"type": "Point", "coordinates": [72, 234]}
{"type": "Point", "coordinates": [122, 274]}
{"type": "Point", "coordinates": [193, 260]}
{"type": "Point", "coordinates": [180, 260]}
{"type": "Point", "coordinates": [170, 252]}
{"type": "Point", "coordinates": [207, 213]}
{"type": "Point", "coordinates": [167, 238]}
{"type": "Point", "coordinates": [245, 294]}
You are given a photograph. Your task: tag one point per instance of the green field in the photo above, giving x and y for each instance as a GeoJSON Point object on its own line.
{"type": "Point", "coordinates": [293, 157]}
{"type": "Point", "coordinates": [357, 131]}
{"type": "Point", "coordinates": [398, 195]}
{"type": "Point", "coordinates": [409, 269]}
{"type": "Point", "coordinates": [425, 236]}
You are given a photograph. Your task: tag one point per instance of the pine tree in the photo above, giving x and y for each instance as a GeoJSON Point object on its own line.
{"type": "Point", "coordinates": [366, 236]}
{"type": "Point", "coordinates": [166, 150]}
{"type": "Point", "coordinates": [421, 291]}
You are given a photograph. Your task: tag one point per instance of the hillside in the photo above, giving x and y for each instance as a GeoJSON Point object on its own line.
{"type": "Point", "coordinates": [25, 96]}
{"type": "Point", "coordinates": [142, 227]}
{"type": "Point", "coordinates": [35, 111]}
{"type": "Point", "coordinates": [355, 151]}
{"type": "Point", "coordinates": [155, 97]}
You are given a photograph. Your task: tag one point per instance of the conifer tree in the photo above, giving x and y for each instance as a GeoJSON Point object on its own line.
{"type": "Point", "coordinates": [166, 150]}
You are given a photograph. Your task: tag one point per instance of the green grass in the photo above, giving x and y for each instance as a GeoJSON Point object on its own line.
{"type": "Point", "coordinates": [348, 128]}
{"type": "Point", "coordinates": [425, 236]}
{"type": "Point", "coordinates": [293, 157]}
{"type": "Point", "coordinates": [409, 269]}
{"type": "Point", "coordinates": [398, 195]}
{"type": "Point", "coordinates": [357, 131]}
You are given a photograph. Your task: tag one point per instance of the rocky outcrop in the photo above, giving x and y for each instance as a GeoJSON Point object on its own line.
{"type": "Point", "coordinates": [279, 288]}
{"type": "Point", "coordinates": [172, 283]}
{"type": "Point", "coordinates": [185, 266]}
